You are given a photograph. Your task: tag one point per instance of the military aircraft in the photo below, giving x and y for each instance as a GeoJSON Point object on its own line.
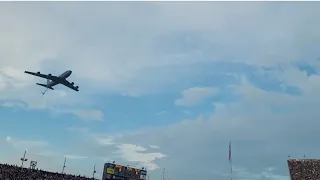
{"type": "Point", "coordinates": [55, 80]}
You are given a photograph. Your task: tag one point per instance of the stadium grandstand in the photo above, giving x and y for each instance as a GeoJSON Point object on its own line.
{"type": "Point", "coordinates": [12, 172]}
{"type": "Point", "coordinates": [304, 169]}
{"type": "Point", "coordinates": [111, 171]}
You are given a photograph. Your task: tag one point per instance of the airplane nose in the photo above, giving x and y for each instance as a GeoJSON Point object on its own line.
{"type": "Point", "coordinates": [70, 72]}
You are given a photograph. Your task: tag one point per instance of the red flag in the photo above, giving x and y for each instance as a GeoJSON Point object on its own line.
{"type": "Point", "coordinates": [230, 151]}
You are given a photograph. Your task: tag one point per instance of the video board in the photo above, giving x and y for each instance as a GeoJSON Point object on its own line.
{"type": "Point", "coordinates": [120, 172]}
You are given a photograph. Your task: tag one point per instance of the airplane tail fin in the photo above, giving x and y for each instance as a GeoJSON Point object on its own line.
{"type": "Point", "coordinates": [45, 86]}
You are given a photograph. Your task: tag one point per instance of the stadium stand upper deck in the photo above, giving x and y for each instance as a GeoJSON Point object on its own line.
{"type": "Point", "coordinates": [304, 169]}
{"type": "Point", "coordinates": [10, 172]}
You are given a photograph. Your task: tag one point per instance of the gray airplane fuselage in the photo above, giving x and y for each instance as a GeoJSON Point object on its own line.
{"type": "Point", "coordinates": [62, 77]}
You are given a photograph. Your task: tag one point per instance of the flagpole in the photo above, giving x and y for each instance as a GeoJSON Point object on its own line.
{"type": "Point", "coordinates": [230, 160]}
{"type": "Point", "coordinates": [231, 169]}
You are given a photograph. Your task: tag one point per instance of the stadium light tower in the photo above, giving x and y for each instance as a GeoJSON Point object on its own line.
{"type": "Point", "coordinates": [23, 159]}
{"type": "Point", "coordinates": [94, 171]}
{"type": "Point", "coordinates": [64, 165]}
{"type": "Point", "coordinates": [163, 173]}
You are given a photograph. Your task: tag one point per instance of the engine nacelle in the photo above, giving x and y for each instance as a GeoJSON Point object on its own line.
{"type": "Point", "coordinates": [77, 87]}
{"type": "Point", "coordinates": [72, 83]}
{"type": "Point", "coordinates": [49, 74]}
{"type": "Point", "coordinates": [38, 72]}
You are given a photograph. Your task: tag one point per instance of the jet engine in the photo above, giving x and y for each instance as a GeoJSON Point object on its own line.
{"type": "Point", "coordinates": [77, 87]}
{"type": "Point", "coordinates": [72, 83]}
{"type": "Point", "coordinates": [38, 72]}
{"type": "Point", "coordinates": [49, 74]}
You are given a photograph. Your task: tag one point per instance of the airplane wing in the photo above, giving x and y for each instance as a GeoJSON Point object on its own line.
{"type": "Point", "coordinates": [49, 76]}
{"type": "Point", "coordinates": [70, 85]}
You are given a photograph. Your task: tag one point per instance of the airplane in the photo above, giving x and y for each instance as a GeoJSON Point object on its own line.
{"type": "Point", "coordinates": [55, 80]}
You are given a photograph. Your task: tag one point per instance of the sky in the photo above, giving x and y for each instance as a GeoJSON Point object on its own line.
{"type": "Point", "coordinates": [162, 85]}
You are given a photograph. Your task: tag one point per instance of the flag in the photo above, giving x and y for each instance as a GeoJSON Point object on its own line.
{"type": "Point", "coordinates": [230, 151]}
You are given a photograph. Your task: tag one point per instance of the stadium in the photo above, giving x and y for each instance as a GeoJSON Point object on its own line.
{"type": "Point", "coordinates": [299, 169]}
{"type": "Point", "coordinates": [303, 169]}
{"type": "Point", "coordinates": [111, 171]}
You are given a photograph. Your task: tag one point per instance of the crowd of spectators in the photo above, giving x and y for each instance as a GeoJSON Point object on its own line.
{"type": "Point", "coordinates": [11, 172]}
{"type": "Point", "coordinates": [304, 169]}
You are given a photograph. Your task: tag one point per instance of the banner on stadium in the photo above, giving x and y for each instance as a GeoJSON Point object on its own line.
{"type": "Point", "coordinates": [110, 171]}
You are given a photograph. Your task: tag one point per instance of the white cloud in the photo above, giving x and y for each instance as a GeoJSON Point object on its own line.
{"type": "Point", "coordinates": [26, 144]}
{"type": "Point", "coordinates": [78, 129]}
{"type": "Point", "coordinates": [261, 137]}
{"type": "Point", "coordinates": [69, 156]}
{"type": "Point", "coordinates": [243, 174]}
{"type": "Point", "coordinates": [3, 83]}
{"type": "Point", "coordinates": [52, 102]}
{"type": "Point", "coordinates": [124, 152]}
{"type": "Point", "coordinates": [98, 144]}
{"type": "Point", "coordinates": [154, 146]}
{"type": "Point", "coordinates": [112, 57]}
{"type": "Point", "coordinates": [86, 114]}
{"type": "Point", "coordinates": [161, 112]}
{"type": "Point", "coordinates": [194, 96]}
{"type": "Point", "coordinates": [135, 153]}
{"type": "Point", "coordinates": [127, 65]}
{"type": "Point", "coordinates": [46, 153]}
{"type": "Point", "coordinates": [269, 169]}
{"type": "Point", "coordinates": [105, 141]}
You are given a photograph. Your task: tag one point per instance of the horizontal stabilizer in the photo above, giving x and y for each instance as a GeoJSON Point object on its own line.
{"type": "Point", "coordinates": [45, 86]}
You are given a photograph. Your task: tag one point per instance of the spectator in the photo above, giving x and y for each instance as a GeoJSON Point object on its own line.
{"type": "Point", "coordinates": [10, 172]}
{"type": "Point", "coordinates": [305, 169]}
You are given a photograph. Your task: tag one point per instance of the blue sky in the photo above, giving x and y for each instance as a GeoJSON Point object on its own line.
{"type": "Point", "coordinates": [162, 85]}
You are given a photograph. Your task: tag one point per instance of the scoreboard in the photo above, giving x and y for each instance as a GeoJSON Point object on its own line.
{"type": "Point", "coordinates": [119, 172]}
